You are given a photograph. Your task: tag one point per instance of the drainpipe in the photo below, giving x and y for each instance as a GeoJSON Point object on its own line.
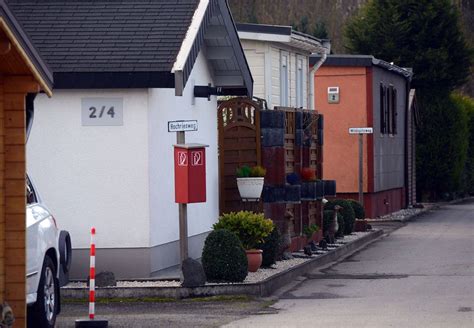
{"type": "Point", "coordinates": [324, 54]}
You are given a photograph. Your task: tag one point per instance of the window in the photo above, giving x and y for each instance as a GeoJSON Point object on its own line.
{"type": "Point", "coordinates": [299, 82]}
{"type": "Point", "coordinates": [284, 79]}
{"type": "Point", "coordinates": [388, 109]}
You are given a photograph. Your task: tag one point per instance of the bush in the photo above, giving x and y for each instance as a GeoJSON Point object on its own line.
{"type": "Point", "coordinates": [358, 209]}
{"type": "Point", "coordinates": [309, 230]}
{"type": "Point", "coordinates": [270, 247]}
{"type": "Point", "coordinates": [250, 227]}
{"type": "Point", "coordinates": [223, 257]}
{"type": "Point", "coordinates": [347, 213]}
{"type": "Point", "coordinates": [327, 218]}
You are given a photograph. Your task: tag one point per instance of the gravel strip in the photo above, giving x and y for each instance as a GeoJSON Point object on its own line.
{"type": "Point", "coordinates": [252, 277]}
{"type": "Point", "coordinates": [399, 215]}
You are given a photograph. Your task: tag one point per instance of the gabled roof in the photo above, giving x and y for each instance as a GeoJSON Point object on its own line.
{"type": "Point", "coordinates": [361, 61]}
{"type": "Point", "coordinates": [282, 34]}
{"type": "Point", "coordinates": [15, 33]}
{"type": "Point", "coordinates": [126, 43]}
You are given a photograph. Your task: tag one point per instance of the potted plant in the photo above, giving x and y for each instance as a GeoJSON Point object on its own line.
{"type": "Point", "coordinates": [313, 233]}
{"type": "Point", "coordinates": [250, 181]}
{"type": "Point", "coordinates": [251, 228]}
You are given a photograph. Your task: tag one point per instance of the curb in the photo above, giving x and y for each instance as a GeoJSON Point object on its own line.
{"type": "Point", "coordinates": [261, 289]}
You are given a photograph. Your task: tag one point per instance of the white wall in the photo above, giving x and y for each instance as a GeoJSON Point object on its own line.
{"type": "Point", "coordinates": [255, 54]}
{"type": "Point", "coordinates": [93, 175]}
{"type": "Point", "coordinates": [164, 107]}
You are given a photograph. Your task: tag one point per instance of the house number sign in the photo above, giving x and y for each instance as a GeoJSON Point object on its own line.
{"type": "Point", "coordinates": [102, 111]}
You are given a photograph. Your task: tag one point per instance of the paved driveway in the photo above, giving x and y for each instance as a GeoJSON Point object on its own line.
{"type": "Point", "coordinates": [421, 275]}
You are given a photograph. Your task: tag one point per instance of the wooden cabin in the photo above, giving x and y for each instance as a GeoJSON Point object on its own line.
{"type": "Point", "coordinates": [22, 72]}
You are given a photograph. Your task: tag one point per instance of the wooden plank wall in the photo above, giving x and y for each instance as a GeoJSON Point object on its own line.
{"type": "Point", "coordinates": [14, 193]}
{"type": "Point", "coordinates": [2, 194]}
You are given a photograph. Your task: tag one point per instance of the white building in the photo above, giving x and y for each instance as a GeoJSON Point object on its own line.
{"type": "Point", "coordinates": [99, 150]}
{"type": "Point", "coordinates": [278, 58]}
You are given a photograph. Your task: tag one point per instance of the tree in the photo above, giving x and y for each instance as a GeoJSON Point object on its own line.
{"type": "Point", "coordinates": [422, 34]}
{"type": "Point", "coordinates": [442, 144]}
{"type": "Point", "coordinates": [320, 31]}
{"type": "Point", "coordinates": [467, 105]}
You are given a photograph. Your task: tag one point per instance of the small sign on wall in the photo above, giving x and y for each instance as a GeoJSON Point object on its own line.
{"type": "Point", "coordinates": [102, 111]}
{"type": "Point", "coordinates": [333, 95]}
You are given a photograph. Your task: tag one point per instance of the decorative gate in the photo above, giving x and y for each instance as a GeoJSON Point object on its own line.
{"type": "Point", "coordinates": [239, 144]}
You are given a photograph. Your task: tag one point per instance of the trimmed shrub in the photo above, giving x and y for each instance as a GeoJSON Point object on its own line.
{"type": "Point", "coordinates": [223, 257]}
{"type": "Point", "coordinates": [251, 228]}
{"type": "Point", "coordinates": [347, 213]}
{"type": "Point", "coordinates": [342, 225]}
{"type": "Point", "coordinates": [358, 209]}
{"type": "Point", "coordinates": [270, 247]}
{"type": "Point", "coordinates": [327, 218]}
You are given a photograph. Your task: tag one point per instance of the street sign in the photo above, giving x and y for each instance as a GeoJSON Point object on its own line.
{"type": "Point", "coordinates": [181, 126]}
{"type": "Point", "coordinates": [361, 130]}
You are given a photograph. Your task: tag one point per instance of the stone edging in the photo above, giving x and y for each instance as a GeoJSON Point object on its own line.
{"type": "Point", "coordinates": [260, 289]}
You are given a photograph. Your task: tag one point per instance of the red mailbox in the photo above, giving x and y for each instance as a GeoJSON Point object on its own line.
{"type": "Point", "coordinates": [190, 173]}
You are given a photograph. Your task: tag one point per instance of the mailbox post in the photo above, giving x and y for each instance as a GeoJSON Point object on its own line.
{"type": "Point", "coordinates": [190, 177]}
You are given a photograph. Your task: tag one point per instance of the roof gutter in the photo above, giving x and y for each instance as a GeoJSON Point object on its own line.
{"type": "Point", "coordinates": [326, 50]}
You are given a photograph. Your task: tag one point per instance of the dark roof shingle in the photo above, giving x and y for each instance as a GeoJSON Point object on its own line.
{"type": "Point", "coordinates": [106, 36]}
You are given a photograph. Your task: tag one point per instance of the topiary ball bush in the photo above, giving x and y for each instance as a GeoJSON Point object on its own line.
{"type": "Point", "coordinates": [358, 209]}
{"type": "Point", "coordinates": [223, 257]}
{"type": "Point", "coordinates": [347, 212]}
{"type": "Point", "coordinates": [270, 247]}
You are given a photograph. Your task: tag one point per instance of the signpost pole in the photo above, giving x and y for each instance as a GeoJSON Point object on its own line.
{"type": "Point", "coordinates": [361, 171]}
{"type": "Point", "coordinates": [361, 132]}
{"type": "Point", "coordinates": [183, 214]}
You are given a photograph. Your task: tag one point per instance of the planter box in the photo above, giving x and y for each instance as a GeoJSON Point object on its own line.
{"type": "Point", "coordinates": [360, 225]}
{"type": "Point", "coordinates": [282, 194]}
{"type": "Point", "coordinates": [250, 188]}
{"type": "Point", "coordinates": [329, 188]}
{"type": "Point", "coordinates": [312, 190]}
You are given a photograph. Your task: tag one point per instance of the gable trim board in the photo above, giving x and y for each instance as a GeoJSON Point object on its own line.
{"type": "Point", "coordinates": [20, 40]}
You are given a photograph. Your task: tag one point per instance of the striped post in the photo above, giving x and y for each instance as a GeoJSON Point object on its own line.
{"type": "Point", "coordinates": [92, 277]}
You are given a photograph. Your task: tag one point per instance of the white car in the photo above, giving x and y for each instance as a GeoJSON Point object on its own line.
{"type": "Point", "coordinates": [48, 261]}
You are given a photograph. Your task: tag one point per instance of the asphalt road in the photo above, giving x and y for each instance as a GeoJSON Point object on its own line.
{"type": "Point", "coordinates": [420, 275]}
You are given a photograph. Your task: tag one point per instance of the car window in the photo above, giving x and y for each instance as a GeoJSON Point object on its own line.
{"type": "Point", "coordinates": [30, 193]}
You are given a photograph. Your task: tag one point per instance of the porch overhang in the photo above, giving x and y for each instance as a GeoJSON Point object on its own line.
{"type": "Point", "coordinates": [212, 30]}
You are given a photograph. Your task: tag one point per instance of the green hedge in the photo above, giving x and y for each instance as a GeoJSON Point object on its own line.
{"type": "Point", "coordinates": [358, 209]}
{"type": "Point", "coordinates": [270, 247]}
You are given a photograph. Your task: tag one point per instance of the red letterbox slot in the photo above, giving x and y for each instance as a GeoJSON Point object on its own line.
{"type": "Point", "coordinates": [190, 173]}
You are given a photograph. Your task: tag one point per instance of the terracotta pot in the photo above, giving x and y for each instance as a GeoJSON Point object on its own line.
{"type": "Point", "coordinates": [317, 236]}
{"type": "Point", "coordinates": [254, 258]}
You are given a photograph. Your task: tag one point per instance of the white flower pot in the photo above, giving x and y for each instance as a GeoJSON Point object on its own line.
{"type": "Point", "coordinates": [250, 188]}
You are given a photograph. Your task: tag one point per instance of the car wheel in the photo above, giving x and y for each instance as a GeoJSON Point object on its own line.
{"type": "Point", "coordinates": [43, 313]}
{"type": "Point", "coordinates": [65, 251]}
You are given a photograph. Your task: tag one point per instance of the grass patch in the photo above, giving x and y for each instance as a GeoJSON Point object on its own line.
{"type": "Point", "coordinates": [220, 298]}
{"type": "Point", "coordinates": [217, 298]}
{"type": "Point", "coordinates": [121, 300]}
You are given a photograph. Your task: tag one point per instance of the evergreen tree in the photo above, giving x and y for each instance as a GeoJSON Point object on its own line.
{"type": "Point", "coordinates": [442, 144]}
{"type": "Point", "coordinates": [422, 34]}
{"type": "Point", "coordinates": [320, 31]}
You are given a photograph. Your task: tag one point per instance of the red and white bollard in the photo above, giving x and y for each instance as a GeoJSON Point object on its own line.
{"type": "Point", "coordinates": [91, 322]}
{"type": "Point", "coordinates": [92, 277]}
